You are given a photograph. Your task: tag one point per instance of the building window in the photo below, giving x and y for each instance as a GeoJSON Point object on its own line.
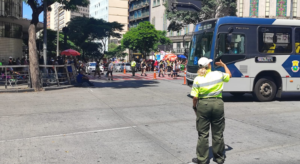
{"type": "Point", "coordinates": [158, 3]}
{"type": "Point", "coordinates": [294, 8]}
{"type": "Point", "coordinates": [267, 8]}
{"type": "Point", "coordinates": [154, 3]}
{"type": "Point", "coordinates": [10, 30]}
{"type": "Point", "coordinates": [171, 33]}
{"type": "Point", "coordinates": [11, 8]}
{"type": "Point", "coordinates": [241, 5]}
{"type": "Point", "coordinates": [178, 33]}
{"type": "Point", "coordinates": [186, 29]}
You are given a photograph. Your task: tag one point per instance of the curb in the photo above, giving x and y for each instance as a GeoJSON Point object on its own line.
{"type": "Point", "coordinates": [32, 90]}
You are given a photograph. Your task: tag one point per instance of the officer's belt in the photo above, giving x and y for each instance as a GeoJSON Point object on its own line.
{"type": "Point", "coordinates": [210, 98]}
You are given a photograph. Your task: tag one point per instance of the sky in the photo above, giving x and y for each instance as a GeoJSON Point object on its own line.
{"type": "Point", "coordinates": [27, 12]}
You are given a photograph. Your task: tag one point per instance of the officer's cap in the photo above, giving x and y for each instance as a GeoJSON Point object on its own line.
{"type": "Point", "coordinates": [203, 62]}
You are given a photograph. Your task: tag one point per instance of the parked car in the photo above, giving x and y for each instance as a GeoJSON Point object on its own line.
{"type": "Point", "coordinates": [117, 67]}
{"type": "Point", "coordinates": [91, 67]}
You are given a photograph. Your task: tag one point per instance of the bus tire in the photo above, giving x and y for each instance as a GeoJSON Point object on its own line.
{"type": "Point", "coordinates": [237, 94]}
{"type": "Point", "coordinates": [265, 90]}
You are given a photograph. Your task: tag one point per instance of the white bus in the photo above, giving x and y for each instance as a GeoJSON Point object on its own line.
{"type": "Point", "coordinates": [262, 54]}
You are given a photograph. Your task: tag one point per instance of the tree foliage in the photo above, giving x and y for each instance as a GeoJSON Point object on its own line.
{"type": "Point", "coordinates": [144, 38]}
{"type": "Point", "coordinates": [91, 34]}
{"type": "Point", "coordinates": [210, 9]}
{"type": "Point", "coordinates": [52, 42]}
{"type": "Point", "coordinates": [115, 50]}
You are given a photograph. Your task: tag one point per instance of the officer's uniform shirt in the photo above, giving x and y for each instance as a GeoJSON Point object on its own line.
{"type": "Point", "coordinates": [210, 85]}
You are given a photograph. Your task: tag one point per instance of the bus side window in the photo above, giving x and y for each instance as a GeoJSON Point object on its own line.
{"type": "Point", "coordinates": [275, 40]}
{"type": "Point", "coordinates": [297, 40]}
{"type": "Point", "coordinates": [234, 46]}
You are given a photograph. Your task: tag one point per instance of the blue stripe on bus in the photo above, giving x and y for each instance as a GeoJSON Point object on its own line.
{"type": "Point", "coordinates": [294, 71]}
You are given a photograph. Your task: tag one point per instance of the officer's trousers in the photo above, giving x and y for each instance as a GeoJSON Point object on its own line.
{"type": "Point", "coordinates": [210, 112]}
{"type": "Point", "coordinates": [133, 71]}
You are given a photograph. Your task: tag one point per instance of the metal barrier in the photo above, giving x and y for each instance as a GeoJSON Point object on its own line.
{"type": "Point", "coordinates": [14, 75]}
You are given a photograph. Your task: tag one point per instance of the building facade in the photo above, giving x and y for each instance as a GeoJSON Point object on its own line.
{"type": "Point", "coordinates": [57, 14]}
{"type": "Point", "coordinates": [13, 29]}
{"type": "Point", "coordinates": [268, 8]}
{"type": "Point", "coordinates": [159, 20]}
{"type": "Point", "coordinates": [139, 11]}
{"type": "Point", "coordinates": [111, 11]}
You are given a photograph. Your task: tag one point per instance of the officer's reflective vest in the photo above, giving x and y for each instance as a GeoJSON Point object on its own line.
{"type": "Point", "coordinates": [210, 85]}
{"type": "Point", "coordinates": [133, 63]}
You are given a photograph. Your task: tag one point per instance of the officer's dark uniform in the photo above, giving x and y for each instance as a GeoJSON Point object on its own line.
{"type": "Point", "coordinates": [210, 112]}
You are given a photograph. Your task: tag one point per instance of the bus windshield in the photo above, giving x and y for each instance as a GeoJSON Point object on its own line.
{"type": "Point", "coordinates": [200, 47]}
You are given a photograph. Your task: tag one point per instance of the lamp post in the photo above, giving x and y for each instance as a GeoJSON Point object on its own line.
{"type": "Point", "coordinates": [57, 44]}
{"type": "Point", "coordinates": [45, 33]}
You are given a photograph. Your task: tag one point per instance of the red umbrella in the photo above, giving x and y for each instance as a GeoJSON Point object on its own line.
{"type": "Point", "coordinates": [170, 57]}
{"type": "Point", "coordinates": [70, 52]}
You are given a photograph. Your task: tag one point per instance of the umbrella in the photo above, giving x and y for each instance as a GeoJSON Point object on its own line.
{"type": "Point", "coordinates": [170, 56]}
{"type": "Point", "coordinates": [70, 52]}
{"type": "Point", "coordinates": [181, 56]}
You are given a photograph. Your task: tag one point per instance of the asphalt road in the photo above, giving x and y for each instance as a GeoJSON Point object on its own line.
{"type": "Point", "coordinates": [140, 122]}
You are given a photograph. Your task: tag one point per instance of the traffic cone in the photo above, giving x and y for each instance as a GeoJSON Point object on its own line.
{"type": "Point", "coordinates": [154, 76]}
{"type": "Point", "coordinates": [184, 82]}
{"type": "Point", "coordinates": [124, 70]}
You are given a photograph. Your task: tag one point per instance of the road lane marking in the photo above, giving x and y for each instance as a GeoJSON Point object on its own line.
{"type": "Point", "coordinates": [67, 134]}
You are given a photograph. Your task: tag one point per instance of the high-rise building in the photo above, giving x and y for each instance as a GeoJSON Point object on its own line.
{"type": "Point", "coordinates": [139, 11]}
{"type": "Point", "coordinates": [111, 11]}
{"type": "Point", "coordinates": [268, 8]}
{"type": "Point", "coordinates": [160, 22]}
{"type": "Point", "coordinates": [13, 29]}
{"type": "Point", "coordinates": [57, 14]}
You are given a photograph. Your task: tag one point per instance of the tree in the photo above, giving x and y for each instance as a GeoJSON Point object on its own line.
{"type": "Point", "coordinates": [144, 37]}
{"type": "Point", "coordinates": [91, 34]}
{"type": "Point", "coordinates": [115, 50]}
{"type": "Point", "coordinates": [37, 7]}
{"type": "Point", "coordinates": [163, 39]}
{"type": "Point", "coordinates": [52, 42]}
{"type": "Point", "coordinates": [209, 9]}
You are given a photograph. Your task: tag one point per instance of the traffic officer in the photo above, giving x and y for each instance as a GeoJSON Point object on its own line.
{"type": "Point", "coordinates": [209, 109]}
{"type": "Point", "coordinates": [133, 64]}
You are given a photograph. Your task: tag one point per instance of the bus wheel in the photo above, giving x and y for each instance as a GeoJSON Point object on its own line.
{"type": "Point", "coordinates": [237, 94]}
{"type": "Point", "coordinates": [265, 90]}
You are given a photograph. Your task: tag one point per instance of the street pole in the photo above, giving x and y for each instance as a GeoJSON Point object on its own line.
{"type": "Point", "coordinates": [291, 14]}
{"type": "Point", "coordinates": [45, 33]}
{"type": "Point", "coordinates": [57, 42]}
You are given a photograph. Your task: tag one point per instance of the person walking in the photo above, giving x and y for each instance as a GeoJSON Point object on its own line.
{"type": "Point", "coordinates": [209, 109]}
{"type": "Point", "coordinates": [110, 70]}
{"type": "Point", "coordinates": [97, 71]}
{"type": "Point", "coordinates": [161, 69]}
{"type": "Point", "coordinates": [143, 67]}
{"type": "Point", "coordinates": [133, 64]}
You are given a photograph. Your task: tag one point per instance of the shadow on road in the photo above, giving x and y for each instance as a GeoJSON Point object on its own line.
{"type": "Point", "coordinates": [289, 96]}
{"type": "Point", "coordinates": [125, 84]}
{"type": "Point", "coordinates": [211, 156]}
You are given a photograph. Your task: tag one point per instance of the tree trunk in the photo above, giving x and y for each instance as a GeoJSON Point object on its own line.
{"type": "Point", "coordinates": [33, 58]}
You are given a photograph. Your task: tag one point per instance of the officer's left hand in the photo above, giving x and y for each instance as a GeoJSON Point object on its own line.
{"type": "Point", "coordinates": [220, 63]}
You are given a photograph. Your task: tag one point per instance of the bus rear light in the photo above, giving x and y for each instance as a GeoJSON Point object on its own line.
{"type": "Point", "coordinates": [291, 81]}
{"type": "Point", "coordinates": [287, 76]}
{"type": "Point", "coordinates": [246, 76]}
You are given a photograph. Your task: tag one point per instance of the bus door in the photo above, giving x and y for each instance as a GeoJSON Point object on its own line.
{"type": "Point", "coordinates": [231, 49]}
